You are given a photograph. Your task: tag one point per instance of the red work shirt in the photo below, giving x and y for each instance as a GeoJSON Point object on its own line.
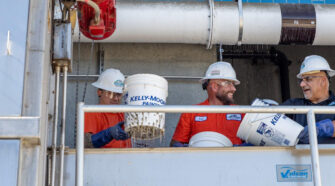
{"type": "Point", "coordinates": [96, 122]}
{"type": "Point", "coordinates": [192, 123]}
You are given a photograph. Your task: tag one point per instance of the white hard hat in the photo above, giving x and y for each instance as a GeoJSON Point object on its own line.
{"type": "Point", "coordinates": [315, 63]}
{"type": "Point", "coordinates": [221, 70]}
{"type": "Point", "coordinates": [111, 80]}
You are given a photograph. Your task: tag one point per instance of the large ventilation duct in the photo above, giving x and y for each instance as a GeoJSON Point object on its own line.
{"type": "Point", "coordinates": [219, 23]}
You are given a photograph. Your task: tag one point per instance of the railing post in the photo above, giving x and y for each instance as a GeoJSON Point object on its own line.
{"type": "Point", "coordinates": [313, 142]}
{"type": "Point", "coordinates": [80, 146]}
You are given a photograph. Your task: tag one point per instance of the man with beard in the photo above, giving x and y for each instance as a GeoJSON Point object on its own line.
{"type": "Point", "coordinates": [314, 78]}
{"type": "Point", "coordinates": [219, 82]}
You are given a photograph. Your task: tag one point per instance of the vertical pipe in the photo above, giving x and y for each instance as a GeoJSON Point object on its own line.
{"type": "Point", "coordinates": [219, 51]}
{"type": "Point", "coordinates": [80, 146]}
{"type": "Point", "coordinates": [284, 77]}
{"type": "Point", "coordinates": [280, 59]}
{"type": "Point", "coordinates": [54, 132]}
{"type": "Point", "coordinates": [101, 59]}
{"type": "Point", "coordinates": [313, 142]}
{"type": "Point", "coordinates": [241, 22]}
{"type": "Point", "coordinates": [62, 143]}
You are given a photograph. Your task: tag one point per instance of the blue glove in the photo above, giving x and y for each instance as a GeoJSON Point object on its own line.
{"type": "Point", "coordinates": [324, 128]}
{"type": "Point", "coordinates": [245, 144]}
{"type": "Point", "coordinates": [103, 137]}
{"type": "Point", "coordinates": [179, 144]}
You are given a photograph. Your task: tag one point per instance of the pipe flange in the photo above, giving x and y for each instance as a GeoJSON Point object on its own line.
{"type": "Point", "coordinates": [211, 24]}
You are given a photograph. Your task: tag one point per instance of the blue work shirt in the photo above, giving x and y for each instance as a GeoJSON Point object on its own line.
{"type": "Point", "coordinates": [302, 118]}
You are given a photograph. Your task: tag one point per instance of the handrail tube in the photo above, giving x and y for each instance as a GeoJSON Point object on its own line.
{"type": "Point", "coordinates": [80, 146]}
{"type": "Point", "coordinates": [54, 132]}
{"type": "Point", "coordinates": [166, 77]}
{"type": "Point", "coordinates": [210, 109]}
{"type": "Point", "coordinates": [62, 142]}
{"type": "Point", "coordinates": [309, 110]}
{"type": "Point", "coordinates": [313, 142]}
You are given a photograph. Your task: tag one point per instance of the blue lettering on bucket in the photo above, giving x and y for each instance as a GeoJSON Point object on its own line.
{"type": "Point", "coordinates": [156, 99]}
{"type": "Point", "coordinates": [147, 99]}
{"type": "Point", "coordinates": [200, 118]}
{"type": "Point", "coordinates": [149, 103]}
{"type": "Point", "coordinates": [236, 117]}
{"type": "Point", "coordinates": [275, 119]}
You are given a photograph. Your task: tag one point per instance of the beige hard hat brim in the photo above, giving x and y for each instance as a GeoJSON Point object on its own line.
{"type": "Point", "coordinates": [330, 73]}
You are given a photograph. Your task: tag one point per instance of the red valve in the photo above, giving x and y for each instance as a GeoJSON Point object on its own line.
{"type": "Point", "coordinates": [107, 23]}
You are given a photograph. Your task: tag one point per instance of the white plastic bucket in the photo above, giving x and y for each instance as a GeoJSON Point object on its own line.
{"type": "Point", "coordinates": [146, 89]}
{"type": "Point", "coordinates": [268, 129]}
{"type": "Point", "coordinates": [209, 139]}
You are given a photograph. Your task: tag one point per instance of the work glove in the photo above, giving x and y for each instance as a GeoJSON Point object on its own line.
{"type": "Point", "coordinates": [117, 132]}
{"type": "Point", "coordinates": [179, 144]}
{"type": "Point", "coordinates": [324, 128]}
{"type": "Point", "coordinates": [105, 136]}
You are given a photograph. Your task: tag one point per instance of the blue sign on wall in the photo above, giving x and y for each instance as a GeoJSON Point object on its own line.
{"type": "Point", "coordinates": [294, 173]}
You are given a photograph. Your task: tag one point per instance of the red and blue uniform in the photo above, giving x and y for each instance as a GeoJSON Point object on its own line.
{"type": "Point", "coordinates": [192, 123]}
{"type": "Point", "coordinates": [96, 122]}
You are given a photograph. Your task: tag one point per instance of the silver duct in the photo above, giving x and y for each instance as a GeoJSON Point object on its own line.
{"type": "Point", "coordinates": [219, 23]}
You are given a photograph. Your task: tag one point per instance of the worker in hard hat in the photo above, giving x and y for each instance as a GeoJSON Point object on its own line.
{"type": "Point", "coordinates": [314, 78]}
{"type": "Point", "coordinates": [219, 82]}
{"type": "Point", "coordinates": [106, 129]}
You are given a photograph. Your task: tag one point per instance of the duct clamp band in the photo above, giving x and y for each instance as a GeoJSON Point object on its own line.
{"type": "Point", "coordinates": [240, 31]}
{"type": "Point", "coordinates": [211, 24]}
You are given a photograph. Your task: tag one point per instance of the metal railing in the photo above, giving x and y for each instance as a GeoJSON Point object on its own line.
{"type": "Point", "coordinates": [309, 110]}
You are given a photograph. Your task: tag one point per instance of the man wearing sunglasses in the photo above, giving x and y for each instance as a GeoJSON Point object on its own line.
{"type": "Point", "coordinates": [106, 129]}
{"type": "Point", "coordinates": [314, 80]}
{"type": "Point", "coordinates": [219, 82]}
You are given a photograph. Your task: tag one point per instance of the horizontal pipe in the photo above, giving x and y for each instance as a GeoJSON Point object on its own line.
{"type": "Point", "coordinates": [210, 109]}
{"type": "Point", "coordinates": [188, 22]}
{"type": "Point", "coordinates": [246, 55]}
{"type": "Point", "coordinates": [71, 77]}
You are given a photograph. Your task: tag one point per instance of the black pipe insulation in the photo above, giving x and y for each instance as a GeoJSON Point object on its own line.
{"type": "Point", "coordinates": [298, 23]}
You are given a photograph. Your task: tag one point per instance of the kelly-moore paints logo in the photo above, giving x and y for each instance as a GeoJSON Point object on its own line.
{"type": "Point", "coordinates": [147, 100]}
{"type": "Point", "coordinates": [275, 119]}
{"type": "Point", "coordinates": [294, 173]}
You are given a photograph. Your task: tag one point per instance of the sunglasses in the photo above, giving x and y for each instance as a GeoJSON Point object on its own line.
{"type": "Point", "coordinates": [226, 83]}
{"type": "Point", "coordinates": [308, 79]}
